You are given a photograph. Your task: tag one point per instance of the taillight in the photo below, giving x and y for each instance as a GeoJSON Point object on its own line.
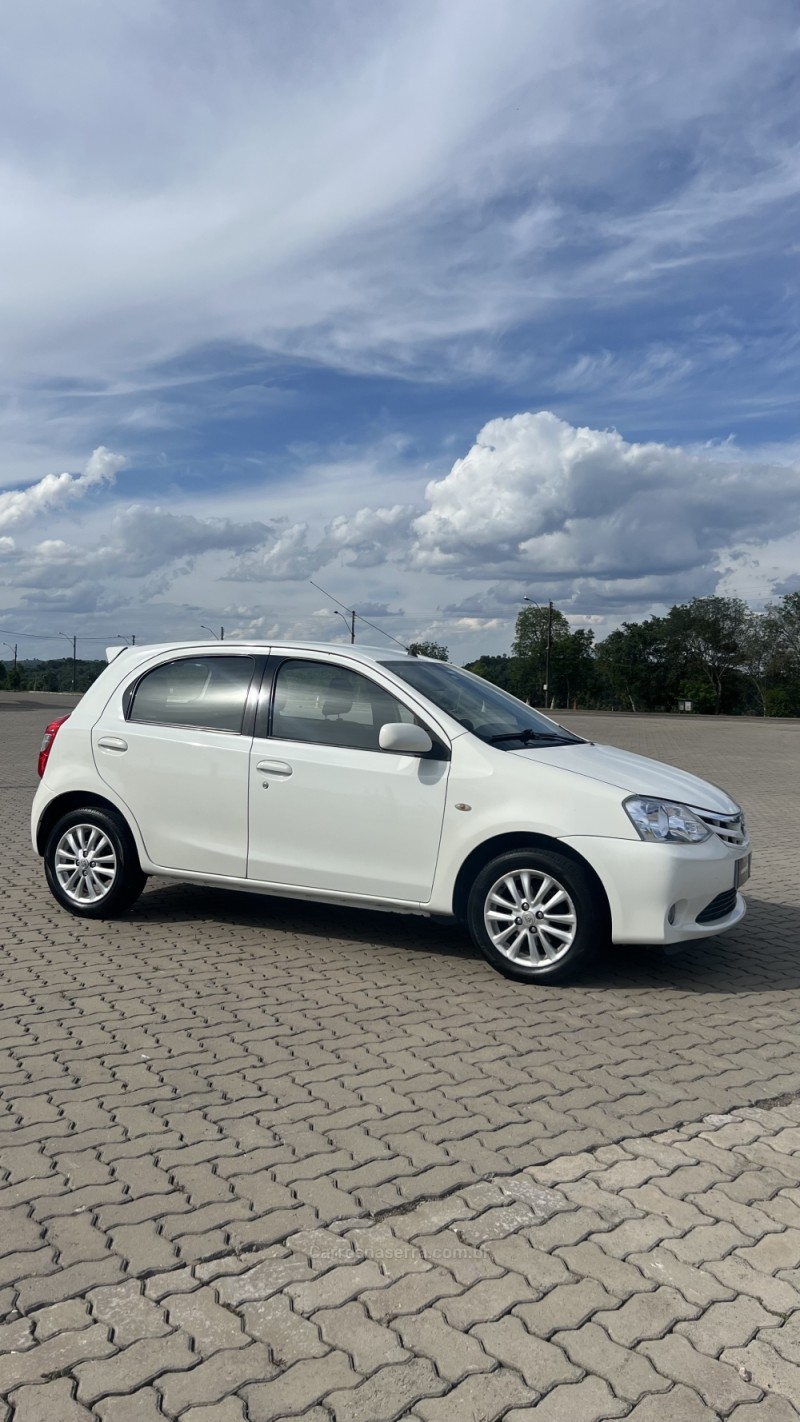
{"type": "Point", "coordinates": [50, 734]}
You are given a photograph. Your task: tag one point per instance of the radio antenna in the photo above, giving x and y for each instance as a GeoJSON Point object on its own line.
{"type": "Point", "coordinates": [352, 612]}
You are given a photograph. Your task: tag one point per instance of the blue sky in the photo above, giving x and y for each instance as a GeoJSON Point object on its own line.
{"type": "Point", "coordinates": [439, 304]}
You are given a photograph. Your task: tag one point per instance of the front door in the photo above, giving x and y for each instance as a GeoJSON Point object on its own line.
{"type": "Point", "coordinates": [328, 808]}
{"type": "Point", "coordinates": [172, 747]}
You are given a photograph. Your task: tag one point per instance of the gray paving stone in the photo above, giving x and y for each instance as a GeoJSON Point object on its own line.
{"type": "Point", "coordinates": [680, 1404]}
{"type": "Point", "coordinates": [629, 1373]}
{"type": "Point", "coordinates": [484, 1397]}
{"type": "Point", "coordinates": [139, 1406]}
{"type": "Point", "coordinates": [44, 1402]}
{"type": "Point", "coordinates": [212, 1380]}
{"type": "Point", "coordinates": [388, 1394]}
{"type": "Point", "coordinates": [718, 1385]}
{"type": "Point", "coordinates": [565, 1307]}
{"type": "Point", "coordinates": [454, 1353]}
{"type": "Point", "coordinates": [697, 1286]}
{"type": "Point", "coordinates": [298, 1388]}
{"type": "Point", "coordinates": [590, 1400]}
{"type": "Point", "coordinates": [646, 1316]}
{"type": "Point", "coordinates": [541, 1364]}
{"type": "Point", "coordinates": [350, 1329]}
{"type": "Point", "coordinates": [770, 1409]}
{"type": "Point", "coordinates": [727, 1325]}
{"type": "Point", "coordinates": [767, 1369]}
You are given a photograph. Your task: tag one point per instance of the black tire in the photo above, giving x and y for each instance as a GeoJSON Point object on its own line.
{"type": "Point", "coordinates": [577, 908]}
{"type": "Point", "coordinates": [116, 865]}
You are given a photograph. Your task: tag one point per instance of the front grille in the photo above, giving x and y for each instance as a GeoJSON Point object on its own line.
{"type": "Point", "coordinates": [730, 828]}
{"type": "Point", "coordinates": [719, 907]}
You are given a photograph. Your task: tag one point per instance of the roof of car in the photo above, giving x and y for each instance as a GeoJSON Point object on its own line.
{"type": "Point", "coordinates": [360, 653]}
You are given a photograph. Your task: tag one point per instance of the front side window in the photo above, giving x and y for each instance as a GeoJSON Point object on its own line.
{"type": "Point", "coordinates": [491, 714]}
{"type": "Point", "coordinates": [206, 692]}
{"type": "Point", "coordinates": [329, 705]}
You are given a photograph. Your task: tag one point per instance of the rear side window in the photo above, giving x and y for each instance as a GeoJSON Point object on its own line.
{"type": "Point", "coordinates": [206, 692]}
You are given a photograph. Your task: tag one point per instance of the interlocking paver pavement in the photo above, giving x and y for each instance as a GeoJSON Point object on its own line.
{"type": "Point", "coordinates": [269, 1160]}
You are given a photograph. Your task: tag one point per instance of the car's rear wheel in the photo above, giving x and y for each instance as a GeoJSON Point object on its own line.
{"type": "Point", "coordinates": [536, 916]}
{"type": "Point", "coordinates": [91, 864]}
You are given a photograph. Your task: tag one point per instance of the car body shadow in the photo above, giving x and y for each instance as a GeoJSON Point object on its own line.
{"type": "Point", "coordinates": [762, 954]}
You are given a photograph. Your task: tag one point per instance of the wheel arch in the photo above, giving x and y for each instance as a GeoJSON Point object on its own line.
{"type": "Point", "coordinates": [78, 800]}
{"type": "Point", "coordinates": [503, 844]}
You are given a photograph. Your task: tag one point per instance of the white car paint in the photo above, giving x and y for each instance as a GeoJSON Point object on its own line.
{"type": "Point", "coordinates": [381, 829]}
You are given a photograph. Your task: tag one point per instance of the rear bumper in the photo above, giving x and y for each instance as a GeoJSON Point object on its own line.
{"type": "Point", "coordinates": [650, 884]}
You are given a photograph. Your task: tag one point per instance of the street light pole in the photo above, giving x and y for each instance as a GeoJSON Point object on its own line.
{"type": "Point", "coordinates": [213, 633]}
{"type": "Point", "coordinates": [351, 624]}
{"type": "Point", "coordinates": [548, 644]}
{"type": "Point", "coordinates": [14, 650]}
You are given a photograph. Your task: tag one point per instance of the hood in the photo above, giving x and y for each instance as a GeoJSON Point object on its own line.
{"type": "Point", "coordinates": [635, 774]}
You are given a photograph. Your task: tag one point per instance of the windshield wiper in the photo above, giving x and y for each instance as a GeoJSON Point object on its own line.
{"type": "Point", "coordinates": [526, 735]}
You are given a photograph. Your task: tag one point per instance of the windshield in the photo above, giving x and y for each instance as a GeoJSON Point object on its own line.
{"type": "Point", "coordinates": [492, 714]}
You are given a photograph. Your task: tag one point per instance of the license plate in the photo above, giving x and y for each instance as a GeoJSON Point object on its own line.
{"type": "Point", "coordinates": [742, 871]}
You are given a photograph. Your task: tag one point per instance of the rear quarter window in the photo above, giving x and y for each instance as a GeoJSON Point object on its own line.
{"type": "Point", "coordinates": [208, 693]}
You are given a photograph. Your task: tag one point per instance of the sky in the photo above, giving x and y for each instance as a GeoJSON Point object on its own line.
{"type": "Point", "coordinates": [441, 305]}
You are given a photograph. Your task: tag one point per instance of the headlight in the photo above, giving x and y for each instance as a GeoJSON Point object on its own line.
{"type": "Point", "coordinates": [663, 822]}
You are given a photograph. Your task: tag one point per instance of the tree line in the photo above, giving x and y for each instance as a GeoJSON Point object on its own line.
{"type": "Point", "coordinates": [714, 653]}
{"type": "Point", "coordinates": [55, 675]}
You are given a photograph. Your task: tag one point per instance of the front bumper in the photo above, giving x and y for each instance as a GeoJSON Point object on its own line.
{"type": "Point", "coordinates": [649, 884]}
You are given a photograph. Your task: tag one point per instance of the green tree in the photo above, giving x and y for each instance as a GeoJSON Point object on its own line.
{"type": "Point", "coordinates": [499, 670]}
{"type": "Point", "coordinates": [430, 649]}
{"type": "Point", "coordinates": [640, 666]}
{"type": "Point", "coordinates": [712, 630]}
{"type": "Point", "coordinates": [535, 628]}
{"type": "Point", "coordinates": [783, 618]}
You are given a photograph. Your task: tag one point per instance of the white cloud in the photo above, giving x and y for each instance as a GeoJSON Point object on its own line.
{"type": "Point", "coordinates": [20, 506]}
{"type": "Point", "coordinates": [539, 498]}
{"type": "Point", "coordinates": [537, 507]}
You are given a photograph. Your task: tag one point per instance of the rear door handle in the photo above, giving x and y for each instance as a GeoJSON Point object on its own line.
{"type": "Point", "coordinates": [112, 743]}
{"type": "Point", "coordinates": [274, 767]}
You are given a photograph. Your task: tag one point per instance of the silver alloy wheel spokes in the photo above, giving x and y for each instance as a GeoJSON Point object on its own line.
{"type": "Point", "coordinates": [530, 918]}
{"type": "Point", "coordinates": [85, 864]}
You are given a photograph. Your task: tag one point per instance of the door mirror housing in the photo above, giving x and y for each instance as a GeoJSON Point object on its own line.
{"type": "Point", "coordinates": [404, 738]}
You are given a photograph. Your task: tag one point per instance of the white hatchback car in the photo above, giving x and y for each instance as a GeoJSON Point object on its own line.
{"type": "Point", "coordinates": [374, 778]}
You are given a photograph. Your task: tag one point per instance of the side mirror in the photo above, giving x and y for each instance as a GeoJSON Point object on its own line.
{"type": "Point", "coordinates": [404, 738]}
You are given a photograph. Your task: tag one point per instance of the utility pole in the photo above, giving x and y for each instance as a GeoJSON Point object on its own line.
{"type": "Point", "coordinates": [222, 634]}
{"type": "Point", "coordinates": [74, 641]}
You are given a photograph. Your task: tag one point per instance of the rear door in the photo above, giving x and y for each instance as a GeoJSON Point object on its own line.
{"type": "Point", "coordinates": [174, 745]}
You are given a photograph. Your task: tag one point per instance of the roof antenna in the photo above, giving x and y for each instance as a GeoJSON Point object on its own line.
{"type": "Point", "coordinates": [353, 614]}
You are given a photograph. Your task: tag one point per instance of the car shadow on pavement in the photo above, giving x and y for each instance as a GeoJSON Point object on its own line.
{"type": "Point", "coordinates": [185, 903]}
{"type": "Point", "coordinates": [762, 954]}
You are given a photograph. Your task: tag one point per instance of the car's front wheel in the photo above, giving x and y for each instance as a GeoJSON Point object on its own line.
{"type": "Point", "coordinates": [91, 864]}
{"type": "Point", "coordinates": [536, 915]}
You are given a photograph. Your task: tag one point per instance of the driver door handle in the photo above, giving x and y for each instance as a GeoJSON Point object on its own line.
{"type": "Point", "coordinates": [274, 767]}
